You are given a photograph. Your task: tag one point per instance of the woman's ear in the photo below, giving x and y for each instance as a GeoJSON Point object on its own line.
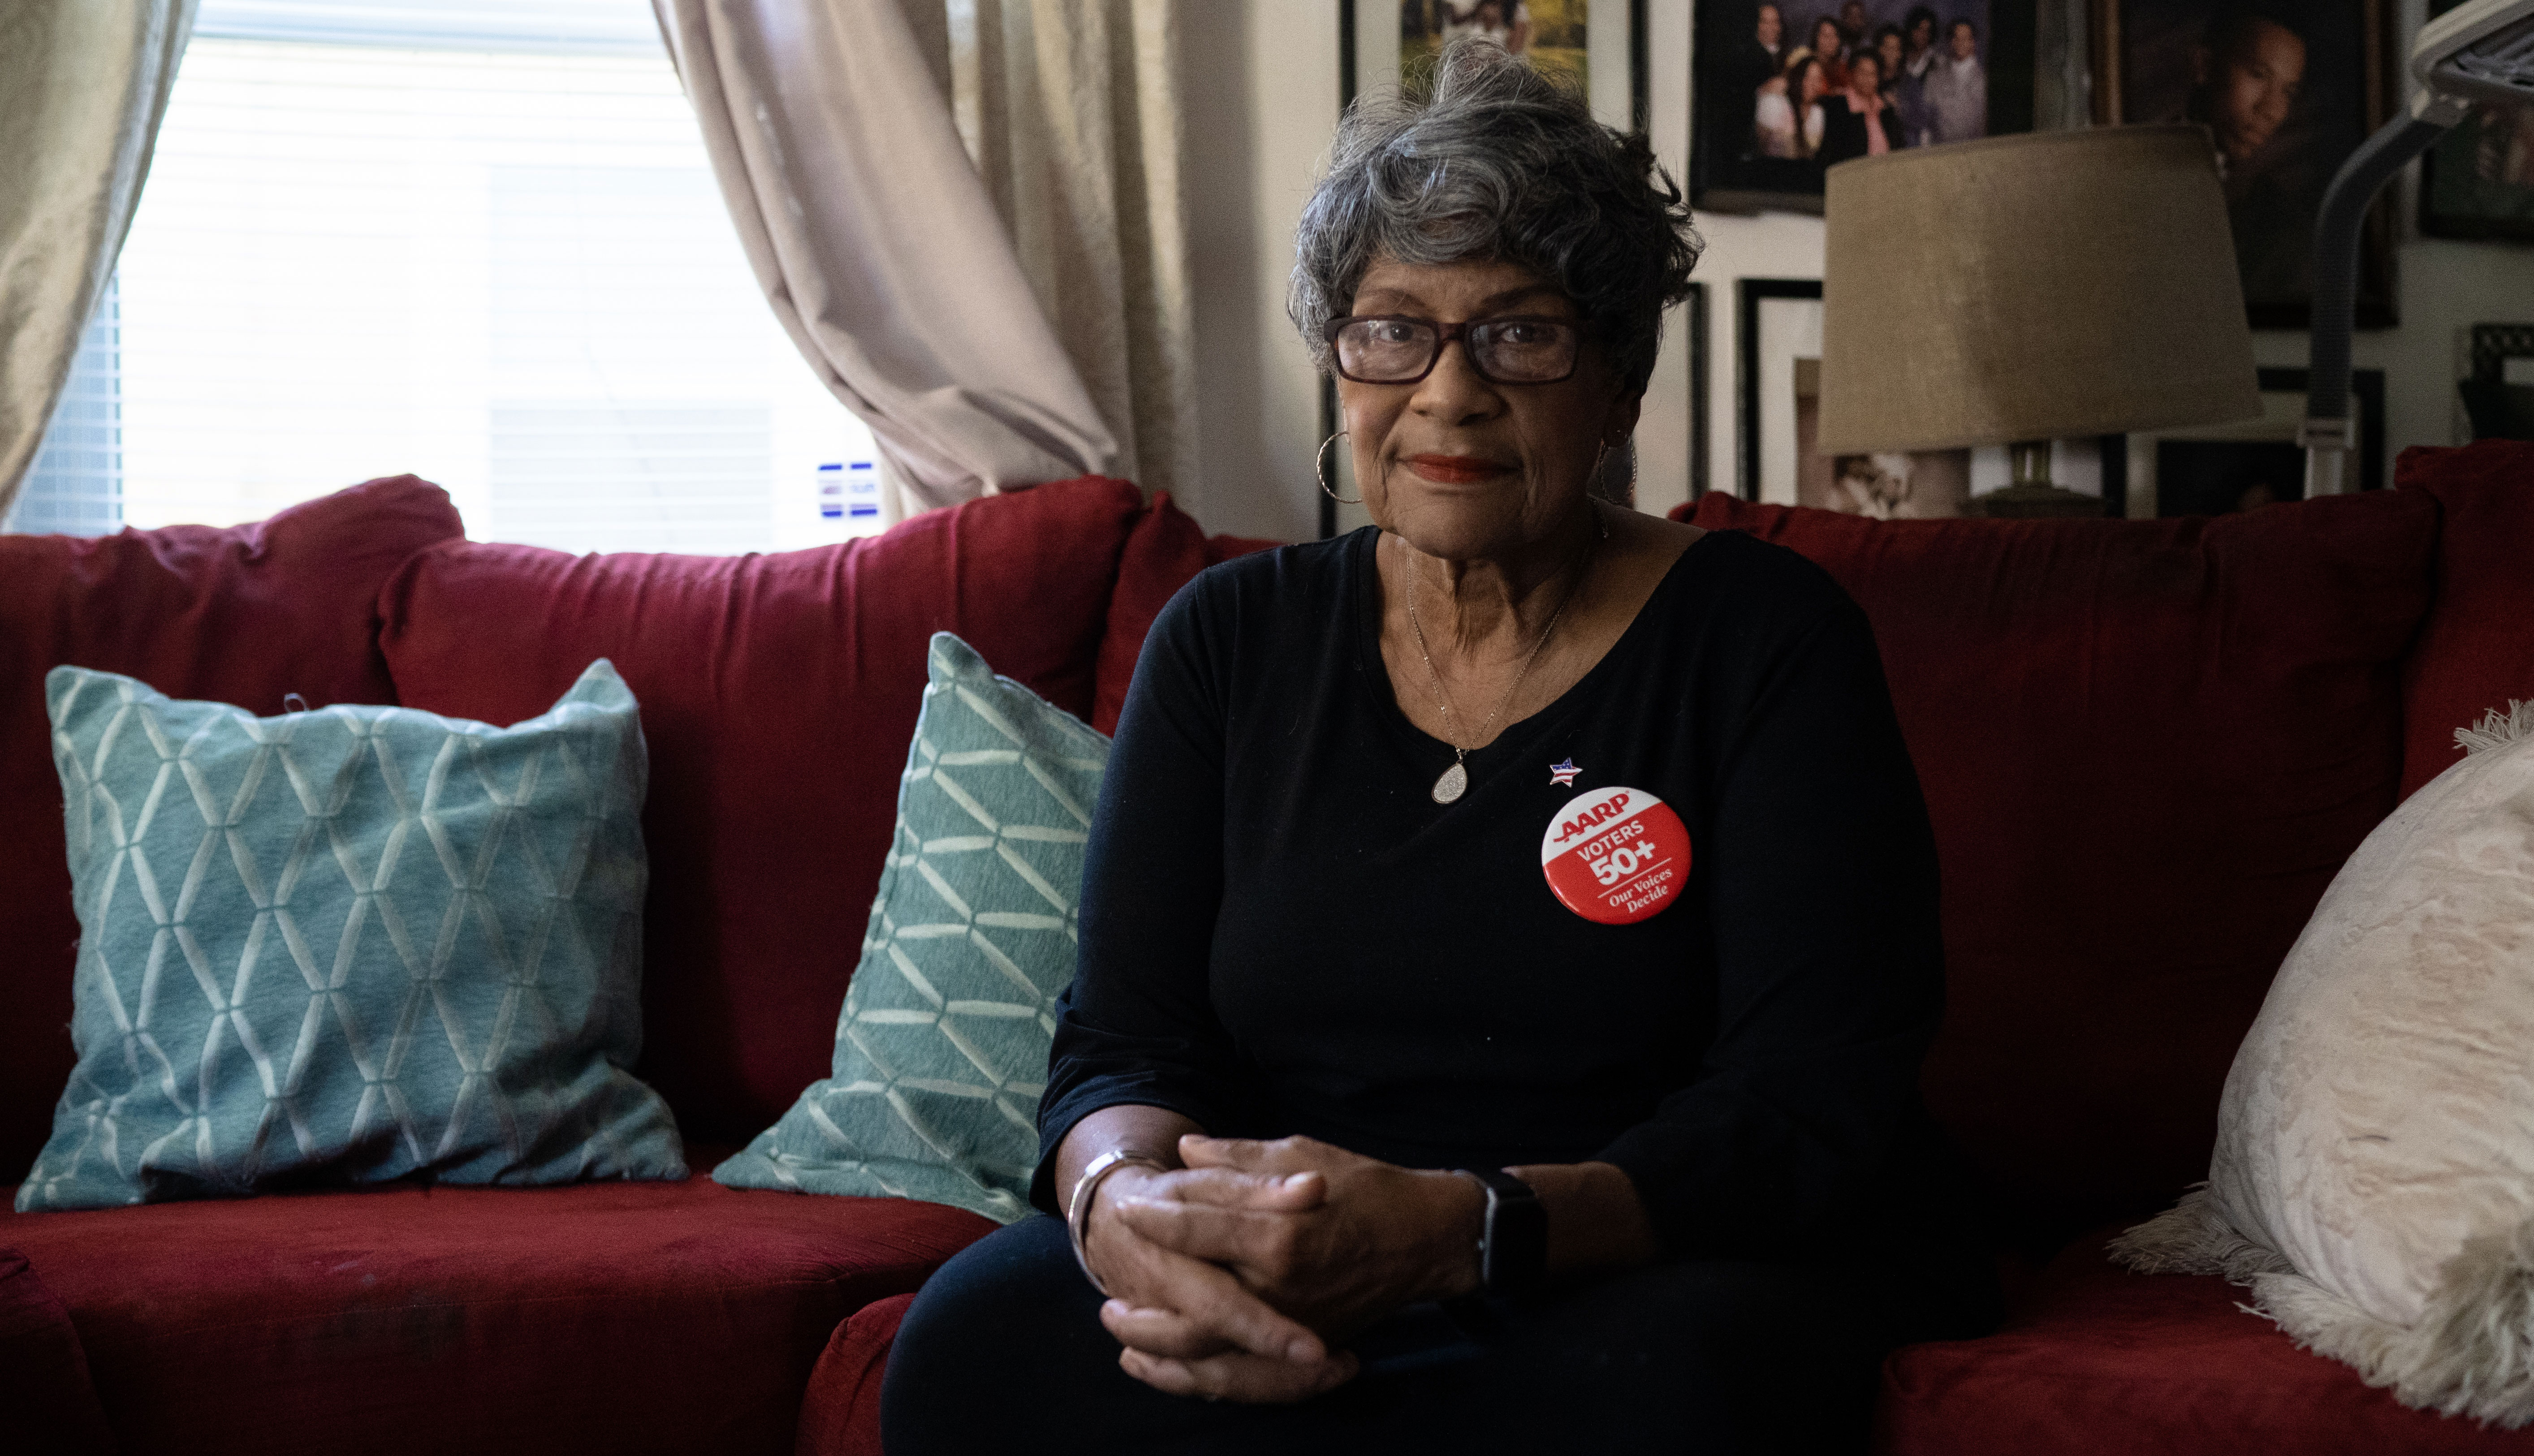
{"type": "Point", "coordinates": [1622, 421]}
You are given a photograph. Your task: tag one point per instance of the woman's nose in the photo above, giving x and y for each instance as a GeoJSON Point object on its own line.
{"type": "Point", "coordinates": [1454, 390]}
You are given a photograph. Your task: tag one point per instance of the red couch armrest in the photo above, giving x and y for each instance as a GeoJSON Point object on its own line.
{"type": "Point", "coordinates": [2476, 651]}
{"type": "Point", "coordinates": [1165, 550]}
{"type": "Point", "coordinates": [840, 1411]}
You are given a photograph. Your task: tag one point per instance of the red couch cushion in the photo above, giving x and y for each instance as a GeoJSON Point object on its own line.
{"type": "Point", "coordinates": [2146, 748]}
{"type": "Point", "coordinates": [840, 1415]}
{"type": "Point", "coordinates": [2105, 1363]}
{"type": "Point", "coordinates": [778, 696]}
{"type": "Point", "coordinates": [618, 1317]}
{"type": "Point", "coordinates": [240, 615]}
{"type": "Point", "coordinates": [44, 1385]}
{"type": "Point", "coordinates": [1163, 552]}
{"type": "Point", "coordinates": [2477, 650]}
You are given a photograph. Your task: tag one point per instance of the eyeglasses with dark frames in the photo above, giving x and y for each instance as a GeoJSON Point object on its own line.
{"type": "Point", "coordinates": [1402, 349]}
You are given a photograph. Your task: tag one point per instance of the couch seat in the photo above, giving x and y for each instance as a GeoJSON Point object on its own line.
{"type": "Point", "coordinates": [2101, 1361]}
{"type": "Point", "coordinates": [624, 1317]}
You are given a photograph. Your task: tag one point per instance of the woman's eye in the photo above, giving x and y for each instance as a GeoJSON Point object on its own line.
{"type": "Point", "coordinates": [1393, 332]}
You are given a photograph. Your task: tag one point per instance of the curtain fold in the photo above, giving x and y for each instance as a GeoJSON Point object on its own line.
{"type": "Point", "coordinates": [83, 88]}
{"type": "Point", "coordinates": [1071, 111]}
{"type": "Point", "coordinates": [879, 248]}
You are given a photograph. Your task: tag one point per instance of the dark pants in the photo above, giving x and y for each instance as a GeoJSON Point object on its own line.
{"type": "Point", "coordinates": [1004, 1350]}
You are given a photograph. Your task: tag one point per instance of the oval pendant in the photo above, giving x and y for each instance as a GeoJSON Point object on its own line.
{"type": "Point", "coordinates": [1453, 784]}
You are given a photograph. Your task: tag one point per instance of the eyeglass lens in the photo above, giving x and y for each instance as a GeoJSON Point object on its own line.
{"type": "Point", "coordinates": [1505, 351]}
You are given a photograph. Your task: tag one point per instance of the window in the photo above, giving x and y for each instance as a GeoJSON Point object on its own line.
{"type": "Point", "coordinates": [75, 485]}
{"type": "Point", "coordinates": [477, 240]}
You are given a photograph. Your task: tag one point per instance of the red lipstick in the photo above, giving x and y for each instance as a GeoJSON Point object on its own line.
{"type": "Point", "coordinates": [1455, 470]}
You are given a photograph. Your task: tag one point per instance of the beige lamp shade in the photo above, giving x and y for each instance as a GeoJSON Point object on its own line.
{"type": "Point", "coordinates": [2031, 287]}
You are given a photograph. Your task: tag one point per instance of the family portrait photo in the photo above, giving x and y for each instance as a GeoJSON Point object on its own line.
{"type": "Point", "coordinates": [1787, 89]}
{"type": "Point", "coordinates": [2288, 90]}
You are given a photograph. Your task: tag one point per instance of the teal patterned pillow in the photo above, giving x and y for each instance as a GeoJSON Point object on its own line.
{"type": "Point", "coordinates": [348, 945]}
{"type": "Point", "coordinates": [941, 1047]}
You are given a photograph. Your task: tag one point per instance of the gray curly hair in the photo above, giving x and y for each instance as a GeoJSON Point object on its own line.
{"type": "Point", "coordinates": [1487, 158]}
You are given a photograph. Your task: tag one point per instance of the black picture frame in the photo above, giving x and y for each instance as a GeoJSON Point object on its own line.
{"type": "Point", "coordinates": [1695, 318]}
{"type": "Point", "coordinates": [1748, 295]}
{"type": "Point", "coordinates": [2497, 408]}
{"type": "Point", "coordinates": [2272, 436]}
{"type": "Point", "coordinates": [2142, 65]}
{"type": "Point", "coordinates": [2456, 199]}
{"type": "Point", "coordinates": [1723, 179]}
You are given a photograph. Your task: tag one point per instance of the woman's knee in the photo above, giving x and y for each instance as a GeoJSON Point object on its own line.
{"type": "Point", "coordinates": [986, 1331]}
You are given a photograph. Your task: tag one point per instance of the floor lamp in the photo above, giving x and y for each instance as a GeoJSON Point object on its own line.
{"type": "Point", "coordinates": [2481, 51]}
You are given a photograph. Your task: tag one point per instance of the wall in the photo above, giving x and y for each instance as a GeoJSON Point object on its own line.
{"type": "Point", "coordinates": [1263, 97]}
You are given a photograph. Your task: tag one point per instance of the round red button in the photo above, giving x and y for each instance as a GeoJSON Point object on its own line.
{"type": "Point", "coordinates": [1616, 856]}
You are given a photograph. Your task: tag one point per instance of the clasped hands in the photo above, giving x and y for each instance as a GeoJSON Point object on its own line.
{"type": "Point", "coordinates": [1234, 1277]}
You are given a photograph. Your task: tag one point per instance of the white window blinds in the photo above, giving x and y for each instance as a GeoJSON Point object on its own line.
{"type": "Point", "coordinates": [475, 241]}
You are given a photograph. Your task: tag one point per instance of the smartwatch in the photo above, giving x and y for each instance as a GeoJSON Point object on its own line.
{"type": "Point", "coordinates": [1513, 1247]}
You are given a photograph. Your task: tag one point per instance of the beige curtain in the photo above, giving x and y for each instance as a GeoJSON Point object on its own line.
{"type": "Point", "coordinates": [1071, 110]}
{"type": "Point", "coordinates": [83, 86]}
{"type": "Point", "coordinates": [1002, 296]}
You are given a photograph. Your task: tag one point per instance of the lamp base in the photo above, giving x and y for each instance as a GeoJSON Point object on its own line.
{"type": "Point", "coordinates": [2032, 496]}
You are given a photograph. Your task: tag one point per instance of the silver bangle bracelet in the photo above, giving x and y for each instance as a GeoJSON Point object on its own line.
{"type": "Point", "coordinates": [1077, 1211]}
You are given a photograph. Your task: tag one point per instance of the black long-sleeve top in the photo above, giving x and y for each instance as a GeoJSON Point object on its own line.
{"type": "Point", "coordinates": [1282, 932]}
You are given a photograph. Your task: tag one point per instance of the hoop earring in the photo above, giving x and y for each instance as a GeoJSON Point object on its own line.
{"type": "Point", "coordinates": [1320, 467]}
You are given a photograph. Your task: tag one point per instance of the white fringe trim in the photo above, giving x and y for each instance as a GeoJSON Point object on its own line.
{"type": "Point", "coordinates": [2472, 1352]}
{"type": "Point", "coordinates": [2497, 728]}
{"type": "Point", "coordinates": [2195, 1237]}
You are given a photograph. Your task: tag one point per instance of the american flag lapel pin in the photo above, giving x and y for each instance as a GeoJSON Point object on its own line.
{"type": "Point", "coordinates": [1563, 773]}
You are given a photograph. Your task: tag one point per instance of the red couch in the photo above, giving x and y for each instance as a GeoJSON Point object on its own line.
{"type": "Point", "coordinates": [778, 694]}
{"type": "Point", "coordinates": [2146, 748]}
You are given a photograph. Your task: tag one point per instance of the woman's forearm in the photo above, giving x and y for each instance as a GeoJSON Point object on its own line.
{"type": "Point", "coordinates": [1144, 1130]}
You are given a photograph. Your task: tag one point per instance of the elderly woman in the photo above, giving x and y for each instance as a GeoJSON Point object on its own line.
{"type": "Point", "coordinates": [1509, 934]}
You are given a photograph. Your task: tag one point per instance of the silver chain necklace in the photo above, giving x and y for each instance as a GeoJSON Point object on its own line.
{"type": "Point", "coordinates": [1455, 779]}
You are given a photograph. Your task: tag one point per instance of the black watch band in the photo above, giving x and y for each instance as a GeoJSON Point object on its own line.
{"type": "Point", "coordinates": [1513, 1248]}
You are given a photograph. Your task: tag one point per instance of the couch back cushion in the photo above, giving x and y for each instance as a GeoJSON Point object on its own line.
{"type": "Point", "coordinates": [778, 696]}
{"type": "Point", "coordinates": [1163, 552]}
{"type": "Point", "coordinates": [241, 615]}
{"type": "Point", "coordinates": [2147, 747]}
{"type": "Point", "coordinates": [2477, 650]}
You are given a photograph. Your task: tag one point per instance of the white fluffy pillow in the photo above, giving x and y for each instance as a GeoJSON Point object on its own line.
{"type": "Point", "coordinates": [2373, 1178]}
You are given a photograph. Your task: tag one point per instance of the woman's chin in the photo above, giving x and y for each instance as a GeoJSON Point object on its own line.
{"type": "Point", "coordinates": [1462, 525]}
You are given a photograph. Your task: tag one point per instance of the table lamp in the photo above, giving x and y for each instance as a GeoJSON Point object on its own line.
{"type": "Point", "coordinates": [2021, 289]}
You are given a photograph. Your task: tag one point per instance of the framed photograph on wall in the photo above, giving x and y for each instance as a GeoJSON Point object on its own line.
{"type": "Point", "coordinates": [2288, 88]}
{"type": "Point", "coordinates": [1777, 325]}
{"type": "Point", "coordinates": [2499, 394]}
{"type": "Point", "coordinates": [1597, 45]}
{"type": "Point", "coordinates": [1693, 324]}
{"type": "Point", "coordinates": [2224, 470]}
{"type": "Point", "coordinates": [1785, 89]}
{"type": "Point", "coordinates": [1891, 485]}
{"type": "Point", "coordinates": [2478, 181]}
